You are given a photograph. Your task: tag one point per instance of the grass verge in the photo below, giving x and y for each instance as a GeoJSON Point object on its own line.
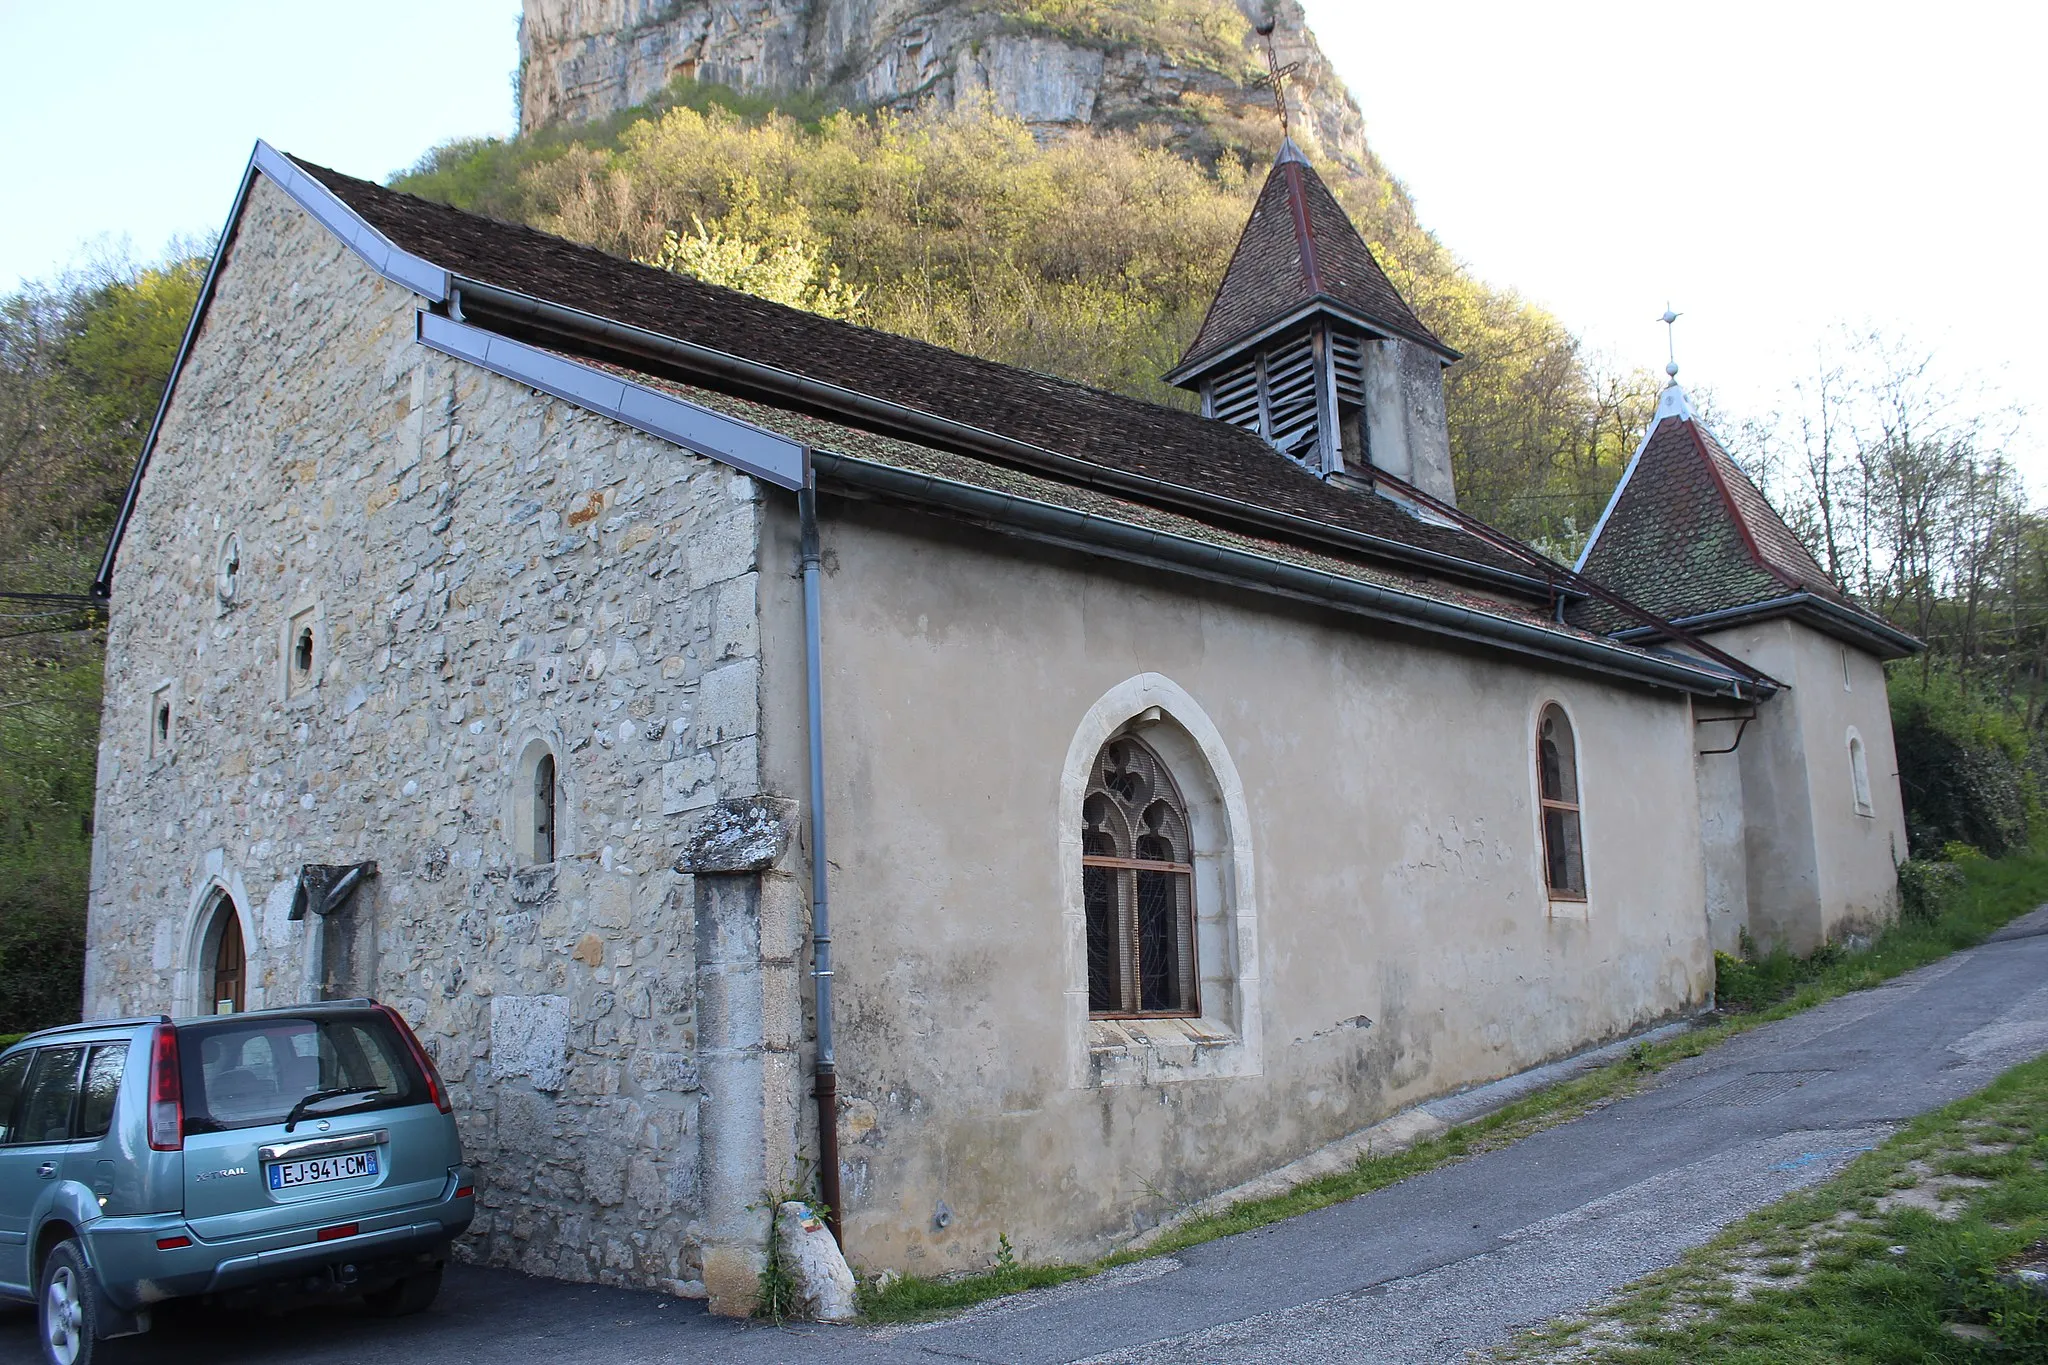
{"type": "Point", "coordinates": [1898, 1258]}
{"type": "Point", "coordinates": [1992, 892]}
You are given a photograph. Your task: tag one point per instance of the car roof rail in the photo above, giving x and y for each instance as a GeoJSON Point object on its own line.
{"type": "Point", "coordinates": [86, 1025]}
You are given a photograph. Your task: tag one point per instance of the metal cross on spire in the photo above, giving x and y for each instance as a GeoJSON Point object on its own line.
{"type": "Point", "coordinates": [1276, 75]}
{"type": "Point", "coordinates": [1670, 320]}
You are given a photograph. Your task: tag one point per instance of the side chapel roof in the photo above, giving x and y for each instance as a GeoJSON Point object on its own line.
{"type": "Point", "coordinates": [1687, 535]}
{"type": "Point", "coordinates": [1299, 252]}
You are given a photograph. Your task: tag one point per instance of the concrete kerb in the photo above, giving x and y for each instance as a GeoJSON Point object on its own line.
{"type": "Point", "coordinates": [1400, 1131]}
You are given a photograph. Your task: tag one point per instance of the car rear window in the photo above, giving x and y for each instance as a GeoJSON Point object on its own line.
{"type": "Point", "coordinates": [245, 1071]}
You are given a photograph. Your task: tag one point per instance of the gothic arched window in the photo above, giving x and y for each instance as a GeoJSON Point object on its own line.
{"type": "Point", "coordinates": [1137, 874]}
{"type": "Point", "coordinates": [1557, 790]}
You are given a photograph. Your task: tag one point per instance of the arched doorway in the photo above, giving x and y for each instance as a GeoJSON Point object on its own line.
{"type": "Point", "coordinates": [228, 963]}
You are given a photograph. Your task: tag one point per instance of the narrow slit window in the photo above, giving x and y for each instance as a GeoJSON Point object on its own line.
{"type": "Point", "coordinates": [1137, 887]}
{"type": "Point", "coordinates": [1859, 774]}
{"type": "Point", "coordinates": [544, 809]}
{"type": "Point", "coordinates": [1557, 783]}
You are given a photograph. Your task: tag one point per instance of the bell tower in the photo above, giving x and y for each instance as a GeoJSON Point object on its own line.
{"type": "Point", "coordinates": [1308, 345]}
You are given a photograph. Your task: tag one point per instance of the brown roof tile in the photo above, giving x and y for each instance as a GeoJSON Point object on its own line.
{"type": "Point", "coordinates": [1105, 429]}
{"type": "Point", "coordinates": [1689, 533]}
{"type": "Point", "coordinates": [1299, 246]}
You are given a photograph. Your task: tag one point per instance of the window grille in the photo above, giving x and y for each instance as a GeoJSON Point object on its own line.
{"type": "Point", "coordinates": [1557, 780]}
{"type": "Point", "coordinates": [1137, 882]}
{"type": "Point", "coordinates": [544, 809]}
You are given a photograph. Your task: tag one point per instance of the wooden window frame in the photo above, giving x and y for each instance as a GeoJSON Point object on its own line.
{"type": "Point", "coordinates": [1546, 804]}
{"type": "Point", "coordinates": [1126, 902]}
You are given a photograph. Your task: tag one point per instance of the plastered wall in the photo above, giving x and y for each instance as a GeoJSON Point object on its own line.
{"type": "Point", "coordinates": [1405, 942]}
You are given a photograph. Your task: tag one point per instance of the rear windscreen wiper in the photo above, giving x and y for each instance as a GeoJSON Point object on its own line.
{"type": "Point", "coordinates": [299, 1109]}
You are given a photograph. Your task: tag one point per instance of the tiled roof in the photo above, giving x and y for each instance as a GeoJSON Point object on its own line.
{"type": "Point", "coordinates": [1299, 247]}
{"type": "Point", "coordinates": [1688, 534]}
{"type": "Point", "coordinates": [1113, 432]}
{"type": "Point", "coordinates": [841, 438]}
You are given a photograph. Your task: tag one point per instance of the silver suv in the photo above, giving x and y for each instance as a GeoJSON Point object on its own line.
{"type": "Point", "coordinates": [269, 1157]}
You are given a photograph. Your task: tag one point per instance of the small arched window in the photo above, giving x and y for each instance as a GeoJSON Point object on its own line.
{"type": "Point", "coordinates": [1137, 873]}
{"type": "Point", "coordinates": [544, 809]}
{"type": "Point", "coordinates": [229, 968]}
{"type": "Point", "coordinates": [1557, 787]}
{"type": "Point", "coordinates": [1859, 773]}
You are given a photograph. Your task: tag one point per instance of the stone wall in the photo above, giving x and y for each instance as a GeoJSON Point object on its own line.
{"type": "Point", "coordinates": [485, 567]}
{"type": "Point", "coordinates": [584, 59]}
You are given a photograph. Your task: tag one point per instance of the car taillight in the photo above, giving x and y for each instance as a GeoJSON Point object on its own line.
{"type": "Point", "coordinates": [438, 1091]}
{"type": "Point", "coordinates": [166, 1093]}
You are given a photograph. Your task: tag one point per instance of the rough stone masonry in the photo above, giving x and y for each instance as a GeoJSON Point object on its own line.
{"type": "Point", "coordinates": [484, 570]}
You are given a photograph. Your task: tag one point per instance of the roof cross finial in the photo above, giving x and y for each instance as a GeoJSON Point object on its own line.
{"type": "Point", "coordinates": [1276, 75]}
{"type": "Point", "coordinates": [1670, 321]}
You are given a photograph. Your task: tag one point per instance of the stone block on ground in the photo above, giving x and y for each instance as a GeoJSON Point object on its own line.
{"type": "Point", "coordinates": [824, 1284]}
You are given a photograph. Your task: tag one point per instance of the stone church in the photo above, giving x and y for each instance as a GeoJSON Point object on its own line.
{"type": "Point", "coordinates": [696, 715]}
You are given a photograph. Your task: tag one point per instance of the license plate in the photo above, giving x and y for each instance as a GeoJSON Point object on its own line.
{"type": "Point", "coordinates": [289, 1175]}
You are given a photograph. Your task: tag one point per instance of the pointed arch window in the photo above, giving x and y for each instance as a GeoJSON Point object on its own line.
{"type": "Point", "coordinates": [1557, 790]}
{"type": "Point", "coordinates": [1138, 894]}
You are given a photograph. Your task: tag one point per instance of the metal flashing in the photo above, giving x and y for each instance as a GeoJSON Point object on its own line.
{"type": "Point", "coordinates": [379, 252]}
{"type": "Point", "coordinates": [763, 454]}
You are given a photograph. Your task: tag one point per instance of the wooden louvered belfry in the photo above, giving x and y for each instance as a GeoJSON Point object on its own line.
{"type": "Point", "coordinates": [1287, 349]}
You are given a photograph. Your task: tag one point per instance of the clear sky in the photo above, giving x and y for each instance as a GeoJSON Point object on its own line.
{"type": "Point", "coordinates": [1771, 169]}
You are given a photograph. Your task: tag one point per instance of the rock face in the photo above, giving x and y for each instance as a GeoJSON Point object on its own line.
{"type": "Point", "coordinates": [584, 59]}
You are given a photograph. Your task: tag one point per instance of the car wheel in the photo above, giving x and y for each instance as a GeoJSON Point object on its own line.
{"type": "Point", "coordinates": [68, 1307]}
{"type": "Point", "coordinates": [413, 1294]}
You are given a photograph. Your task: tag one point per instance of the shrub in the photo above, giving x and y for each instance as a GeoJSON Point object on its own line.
{"type": "Point", "coordinates": [1926, 888]}
{"type": "Point", "coordinates": [1963, 768]}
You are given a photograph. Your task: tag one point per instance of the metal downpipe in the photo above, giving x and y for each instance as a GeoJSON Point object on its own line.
{"type": "Point", "coordinates": [826, 1087]}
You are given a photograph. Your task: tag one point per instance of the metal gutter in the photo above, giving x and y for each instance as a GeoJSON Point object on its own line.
{"type": "Point", "coordinates": [1854, 622]}
{"type": "Point", "coordinates": [474, 297]}
{"type": "Point", "coordinates": [743, 445]}
{"type": "Point", "coordinates": [1135, 544]}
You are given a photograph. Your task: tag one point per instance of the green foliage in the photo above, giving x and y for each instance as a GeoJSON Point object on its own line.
{"type": "Point", "coordinates": [1960, 903]}
{"type": "Point", "coordinates": [1925, 888]}
{"type": "Point", "coordinates": [82, 367]}
{"type": "Point", "coordinates": [1964, 765]}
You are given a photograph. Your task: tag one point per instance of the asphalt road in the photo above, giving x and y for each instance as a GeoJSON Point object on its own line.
{"type": "Point", "coordinates": [1423, 1271]}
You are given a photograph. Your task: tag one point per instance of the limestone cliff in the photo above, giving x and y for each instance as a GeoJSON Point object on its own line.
{"type": "Point", "coordinates": [1184, 66]}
